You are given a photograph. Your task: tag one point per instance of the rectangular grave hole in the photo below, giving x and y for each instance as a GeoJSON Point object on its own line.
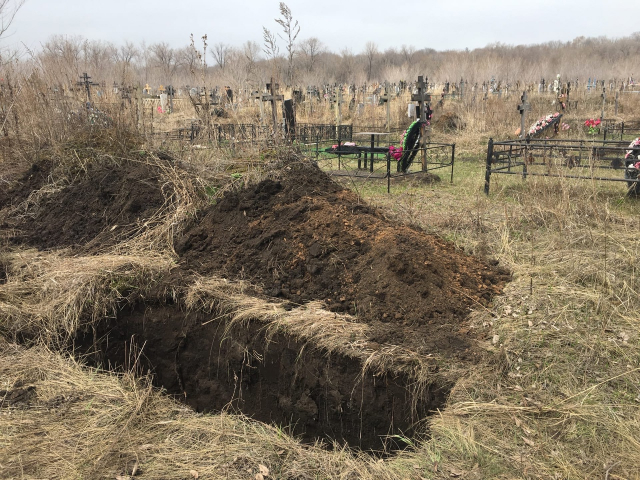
{"type": "Point", "coordinates": [276, 380]}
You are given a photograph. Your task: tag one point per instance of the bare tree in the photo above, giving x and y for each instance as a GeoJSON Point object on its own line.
{"type": "Point", "coordinates": [407, 52]}
{"type": "Point", "coordinates": [220, 52]}
{"type": "Point", "coordinates": [370, 52]}
{"type": "Point", "coordinates": [124, 58]}
{"type": "Point", "coordinates": [165, 59]}
{"type": "Point", "coordinates": [61, 57]}
{"type": "Point", "coordinates": [189, 59]}
{"type": "Point", "coordinates": [291, 29]}
{"type": "Point", "coordinates": [8, 11]}
{"type": "Point", "coordinates": [251, 53]}
{"type": "Point", "coordinates": [312, 48]}
{"type": "Point", "coordinates": [98, 57]}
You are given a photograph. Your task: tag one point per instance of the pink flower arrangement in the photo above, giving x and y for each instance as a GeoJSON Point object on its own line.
{"type": "Point", "coordinates": [565, 126]}
{"type": "Point", "coordinates": [543, 123]}
{"type": "Point", "coordinates": [633, 145]}
{"type": "Point", "coordinates": [396, 152]}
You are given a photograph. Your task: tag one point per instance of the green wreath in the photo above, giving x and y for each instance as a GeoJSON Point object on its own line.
{"type": "Point", "coordinates": [410, 145]}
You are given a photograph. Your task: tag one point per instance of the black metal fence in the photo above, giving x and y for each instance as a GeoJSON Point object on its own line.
{"type": "Point", "coordinates": [576, 159]}
{"type": "Point", "coordinates": [622, 130]}
{"type": "Point", "coordinates": [255, 133]}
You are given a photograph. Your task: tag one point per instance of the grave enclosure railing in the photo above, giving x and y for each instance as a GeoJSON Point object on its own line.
{"type": "Point", "coordinates": [374, 161]}
{"type": "Point", "coordinates": [254, 133]}
{"type": "Point", "coordinates": [622, 130]}
{"type": "Point", "coordinates": [571, 159]}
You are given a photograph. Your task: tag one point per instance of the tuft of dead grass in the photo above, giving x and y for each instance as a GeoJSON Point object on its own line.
{"type": "Point", "coordinates": [48, 296]}
{"type": "Point", "coordinates": [317, 328]}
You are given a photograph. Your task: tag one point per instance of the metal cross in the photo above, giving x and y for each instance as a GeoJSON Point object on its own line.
{"type": "Point", "coordinates": [87, 84]}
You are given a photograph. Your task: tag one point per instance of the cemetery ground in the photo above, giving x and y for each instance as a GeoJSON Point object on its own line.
{"type": "Point", "coordinates": [447, 333]}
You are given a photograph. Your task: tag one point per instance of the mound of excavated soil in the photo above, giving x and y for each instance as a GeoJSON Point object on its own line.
{"type": "Point", "coordinates": [303, 237]}
{"type": "Point", "coordinates": [108, 200]}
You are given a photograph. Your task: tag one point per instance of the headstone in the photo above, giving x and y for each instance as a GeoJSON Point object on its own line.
{"type": "Point", "coordinates": [163, 102]}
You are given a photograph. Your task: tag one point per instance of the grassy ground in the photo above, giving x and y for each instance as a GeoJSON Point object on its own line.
{"type": "Point", "coordinates": [559, 397]}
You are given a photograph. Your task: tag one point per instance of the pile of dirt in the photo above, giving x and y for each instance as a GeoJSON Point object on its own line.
{"type": "Point", "coordinates": [106, 203]}
{"type": "Point", "coordinates": [18, 181]}
{"type": "Point", "coordinates": [449, 122]}
{"type": "Point", "coordinates": [302, 237]}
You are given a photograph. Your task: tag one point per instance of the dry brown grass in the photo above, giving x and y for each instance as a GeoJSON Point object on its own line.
{"type": "Point", "coordinates": [48, 297]}
{"type": "Point", "coordinates": [319, 329]}
{"type": "Point", "coordinates": [559, 399]}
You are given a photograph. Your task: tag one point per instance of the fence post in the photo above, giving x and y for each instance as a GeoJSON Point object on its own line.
{"type": "Point", "coordinates": [487, 175]}
{"type": "Point", "coordinates": [388, 171]}
{"type": "Point", "coordinates": [453, 158]}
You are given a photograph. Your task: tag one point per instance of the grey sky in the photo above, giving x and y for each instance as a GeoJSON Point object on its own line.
{"type": "Point", "coordinates": [339, 24]}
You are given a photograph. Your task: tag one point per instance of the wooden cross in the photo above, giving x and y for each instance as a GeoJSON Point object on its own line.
{"type": "Point", "coordinates": [386, 99]}
{"type": "Point", "coordinates": [87, 84]}
{"type": "Point", "coordinates": [523, 108]}
{"type": "Point", "coordinates": [421, 97]}
{"type": "Point", "coordinates": [337, 99]}
{"type": "Point", "coordinates": [272, 97]}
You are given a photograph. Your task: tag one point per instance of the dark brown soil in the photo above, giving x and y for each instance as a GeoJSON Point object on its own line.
{"type": "Point", "coordinates": [274, 380]}
{"type": "Point", "coordinates": [18, 181]}
{"type": "Point", "coordinates": [106, 204]}
{"type": "Point", "coordinates": [302, 237]}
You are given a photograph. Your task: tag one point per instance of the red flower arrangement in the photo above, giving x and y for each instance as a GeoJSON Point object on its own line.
{"type": "Point", "coordinates": [592, 126]}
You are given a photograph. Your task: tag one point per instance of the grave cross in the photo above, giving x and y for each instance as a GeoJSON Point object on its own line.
{"type": "Point", "coordinates": [386, 99]}
{"type": "Point", "coordinates": [421, 97]}
{"type": "Point", "coordinates": [272, 87]}
{"type": "Point", "coordinates": [87, 84]}
{"type": "Point", "coordinates": [604, 99]}
{"type": "Point", "coordinates": [171, 93]}
{"type": "Point", "coordinates": [337, 99]}
{"type": "Point", "coordinates": [523, 108]}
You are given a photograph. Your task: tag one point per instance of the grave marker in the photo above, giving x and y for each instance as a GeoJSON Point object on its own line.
{"type": "Point", "coordinates": [337, 99]}
{"type": "Point", "coordinates": [386, 99]}
{"type": "Point", "coordinates": [87, 84]}
{"type": "Point", "coordinates": [523, 108]}
{"type": "Point", "coordinates": [272, 97]}
{"type": "Point", "coordinates": [421, 97]}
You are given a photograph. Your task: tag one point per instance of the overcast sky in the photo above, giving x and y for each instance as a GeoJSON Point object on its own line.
{"type": "Point", "coordinates": [339, 24]}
